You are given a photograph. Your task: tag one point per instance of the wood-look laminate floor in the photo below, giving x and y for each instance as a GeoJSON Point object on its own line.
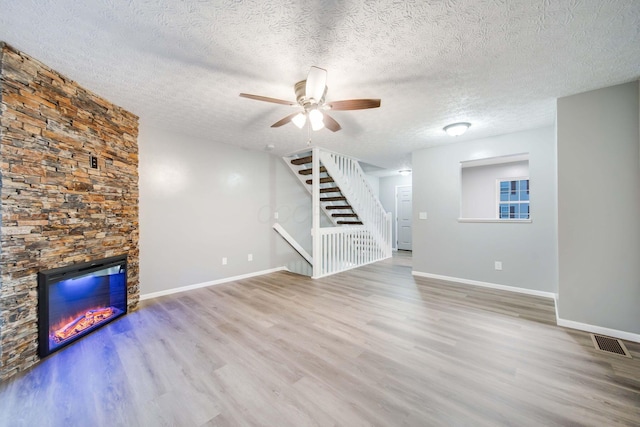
{"type": "Point", "coordinates": [373, 346]}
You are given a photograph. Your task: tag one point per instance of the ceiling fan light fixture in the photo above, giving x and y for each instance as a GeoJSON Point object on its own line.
{"type": "Point", "coordinates": [405, 172]}
{"type": "Point", "coordinates": [317, 119]}
{"type": "Point", "coordinates": [456, 129]}
{"type": "Point", "coordinates": [310, 100]}
{"type": "Point", "coordinates": [299, 120]}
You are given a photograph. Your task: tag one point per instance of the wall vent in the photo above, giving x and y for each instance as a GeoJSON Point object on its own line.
{"type": "Point", "coordinates": [610, 345]}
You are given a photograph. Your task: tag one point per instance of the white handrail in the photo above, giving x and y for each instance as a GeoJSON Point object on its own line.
{"type": "Point", "coordinates": [295, 245]}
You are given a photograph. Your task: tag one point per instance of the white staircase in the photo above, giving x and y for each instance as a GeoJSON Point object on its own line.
{"type": "Point", "coordinates": [361, 231]}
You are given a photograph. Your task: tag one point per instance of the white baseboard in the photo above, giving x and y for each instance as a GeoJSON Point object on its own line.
{"type": "Point", "coordinates": [211, 283]}
{"type": "Point", "coordinates": [627, 336]}
{"type": "Point", "coordinates": [487, 285]}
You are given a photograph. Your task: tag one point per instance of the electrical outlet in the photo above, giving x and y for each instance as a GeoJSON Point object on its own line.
{"type": "Point", "coordinates": [224, 260]}
{"type": "Point", "coordinates": [250, 257]}
{"type": "Point", "coordinates": [498, 265]}
{"type": "Point", "coordinates": [275, 215]}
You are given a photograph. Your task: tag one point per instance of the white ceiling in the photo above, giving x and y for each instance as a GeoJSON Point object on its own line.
{"type": "Point", "coordinates": [499, 64]}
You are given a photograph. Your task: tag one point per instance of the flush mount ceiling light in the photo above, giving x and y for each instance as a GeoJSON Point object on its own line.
{"type": "Point", "coordinates": [456, 129]}
{"type": "Point", "coordinates": [404, 172]}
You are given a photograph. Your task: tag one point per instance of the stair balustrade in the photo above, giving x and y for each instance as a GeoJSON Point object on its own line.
{"type": "Point", "coordinates": [362, 228]}
{"type": "Point", "coordinates": [350, 177]}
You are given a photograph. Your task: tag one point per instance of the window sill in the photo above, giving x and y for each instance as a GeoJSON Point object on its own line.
{"type": "Point", "coordinates": [495, 220]}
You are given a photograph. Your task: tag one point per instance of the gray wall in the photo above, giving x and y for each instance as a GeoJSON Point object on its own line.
{"type": "Point", "coordinates": [599, 207]}
{"type": "Point", "coordinates": [201, 201]}
{"type": "Point", "coordinates": [388, 197]}
{"type": "Point", "coordinates": [479, 187]}
{"type": "Point", "coordinates": [444, 246]}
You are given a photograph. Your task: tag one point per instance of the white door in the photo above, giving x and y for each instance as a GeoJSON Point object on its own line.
{"type": "Point", "coordinates": [403, 212]}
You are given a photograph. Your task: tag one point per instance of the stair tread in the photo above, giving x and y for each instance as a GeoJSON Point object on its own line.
{"type": "Point", "coordinates": [310, 171]}
{"type": "Point", "coordinates": [330, 190]}
{"type": "Point", "coordinates": [350, 222]}
{"type": "Point", "coordinates": [333, 199]}
{"type": "Point", "coordinates": [302, 160]}
{"type": "Point", "coordinates": [338, 207]}
{"type": "Point", "coordinates": [344, 215]}
{"type": "Point", "coordinates": [322, 180]}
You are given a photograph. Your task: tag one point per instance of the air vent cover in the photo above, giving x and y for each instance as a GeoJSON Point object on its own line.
{"type": "Point", "coordinates": [609, 345]}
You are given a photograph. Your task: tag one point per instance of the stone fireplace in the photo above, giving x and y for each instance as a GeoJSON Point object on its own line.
{"type": "Point", "coordinates": [69, 177]}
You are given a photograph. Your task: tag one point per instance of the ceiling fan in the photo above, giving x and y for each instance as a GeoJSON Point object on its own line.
{"type": "Point", "coordinates": [310, 96]}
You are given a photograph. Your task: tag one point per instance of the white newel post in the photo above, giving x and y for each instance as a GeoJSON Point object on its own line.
{"type": "Point", "coordinates": [315, 197]}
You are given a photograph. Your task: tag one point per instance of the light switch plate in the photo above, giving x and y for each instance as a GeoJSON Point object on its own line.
{"type": "Point", "coordinates": [423, 215]}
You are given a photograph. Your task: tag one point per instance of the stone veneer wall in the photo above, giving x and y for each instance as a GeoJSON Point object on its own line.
{"type": "Point", "coordinates": [57, 210]}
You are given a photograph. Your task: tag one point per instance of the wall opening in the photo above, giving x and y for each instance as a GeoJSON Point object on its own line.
{"type": "Point", "coordinates": [495, 189]}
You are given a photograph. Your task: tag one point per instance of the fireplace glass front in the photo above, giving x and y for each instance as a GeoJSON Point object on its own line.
{"type": "Point", "coordinates": [76, 300]}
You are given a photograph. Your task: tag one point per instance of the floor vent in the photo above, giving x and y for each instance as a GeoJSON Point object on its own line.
{"type": "Point", "coordinates": [609, 345]}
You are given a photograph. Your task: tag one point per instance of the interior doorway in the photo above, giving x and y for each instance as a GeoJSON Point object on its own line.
{"type": "Point", "coordinates": [404, 217]}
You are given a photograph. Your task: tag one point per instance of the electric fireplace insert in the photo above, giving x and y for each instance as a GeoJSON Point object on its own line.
{"type": "Point", "coordinates": [76, 300]}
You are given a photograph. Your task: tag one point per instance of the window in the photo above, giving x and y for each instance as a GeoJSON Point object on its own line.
{"type": "Point", "coordinates": [513, 199]}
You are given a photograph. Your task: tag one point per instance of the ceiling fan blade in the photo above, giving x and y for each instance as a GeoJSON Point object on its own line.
{"type": "Point", "coordinates": [354, 104]}
{"type": "Point", "coordinates": [285, 120]}
{"type": "Point", "coordinates": [330, 123]}
{"type": "Point", "coordinates": [316, 83]}
{"type": "Point", "coordinates": [267, 99]}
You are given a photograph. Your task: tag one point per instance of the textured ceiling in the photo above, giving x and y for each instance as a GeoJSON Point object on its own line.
{"type": "Point", "coordinates": [499, 64]}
